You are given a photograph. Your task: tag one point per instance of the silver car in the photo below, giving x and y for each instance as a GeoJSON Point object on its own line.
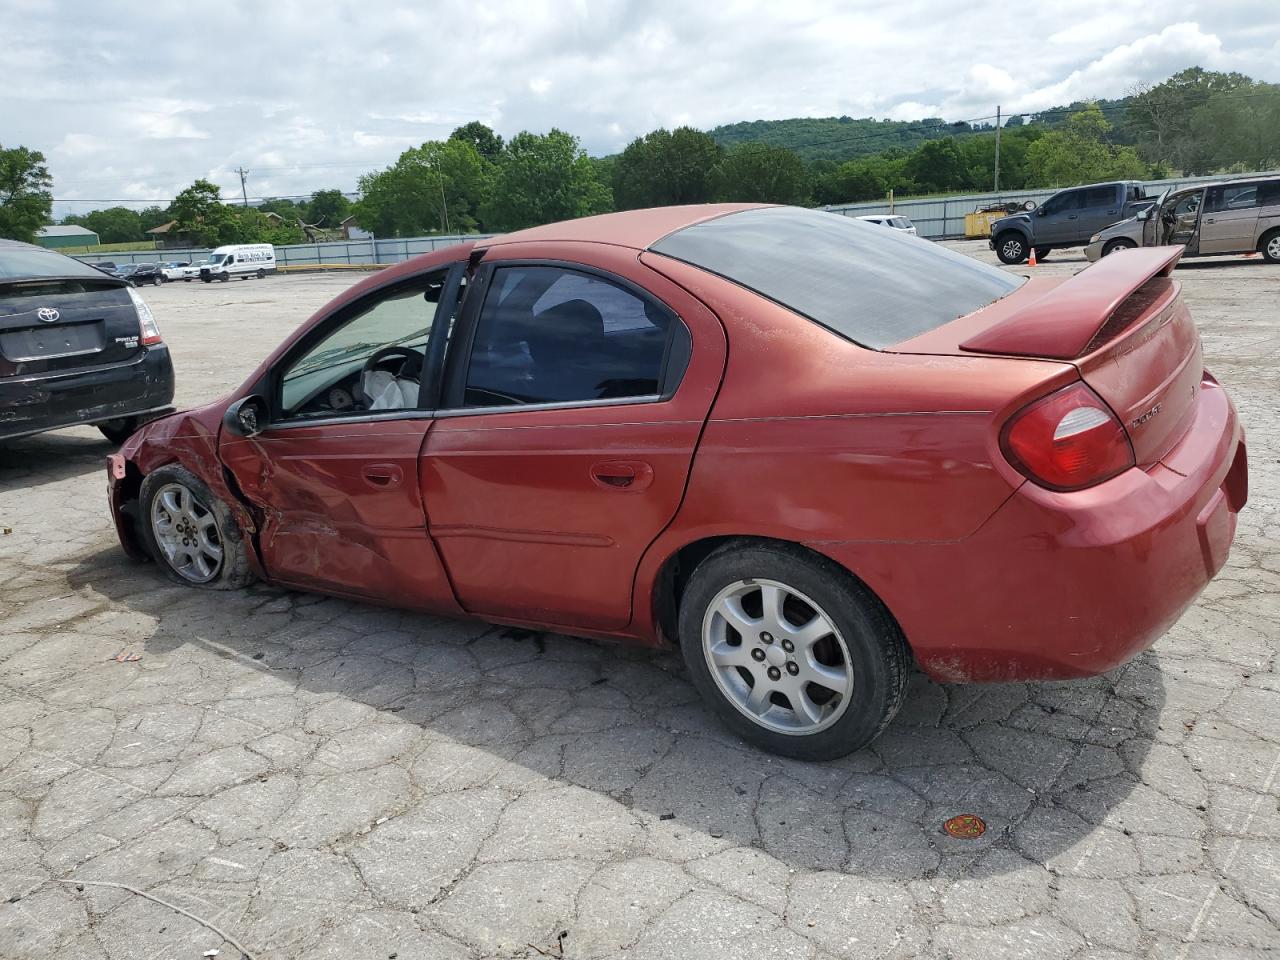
{"type": "Point", "coordinates": [894, 221]}
{"type": "Point", "coordinates": [1209, 219]}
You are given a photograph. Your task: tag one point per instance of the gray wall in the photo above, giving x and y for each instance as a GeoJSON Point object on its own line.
{"type": "Point", "coordinates": [303, 254]}
{"type": "Point", "coordinates": [943, 218]}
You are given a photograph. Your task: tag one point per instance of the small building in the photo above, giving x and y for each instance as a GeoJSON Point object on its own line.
{"type": "Point", "coordinates": [70, 235]}
{"type": "Point", "coordinates": [168, 236]}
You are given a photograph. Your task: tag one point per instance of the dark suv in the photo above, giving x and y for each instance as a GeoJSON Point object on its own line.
{"type": "Point", "coordinates": [1069, 218]}
{"type": "Point", "coordinates": [76, 346]}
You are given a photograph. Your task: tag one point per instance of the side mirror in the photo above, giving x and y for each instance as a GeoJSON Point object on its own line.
{"type": "Point", "coordinates": [246, 417]}
{"type": "Point", "coordinates": [1040, 212]}
{"type": "Point", "coordinates": [1144, 213]}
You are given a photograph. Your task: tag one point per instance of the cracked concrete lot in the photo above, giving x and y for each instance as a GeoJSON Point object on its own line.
{"type": "Point", "coordinates": [323, 779]}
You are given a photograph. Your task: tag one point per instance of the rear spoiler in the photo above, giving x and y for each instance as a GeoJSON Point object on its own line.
{"type": "Point", "coordinates": [1061, 324]}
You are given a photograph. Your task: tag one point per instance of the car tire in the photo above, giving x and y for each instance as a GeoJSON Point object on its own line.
{"type": "Point", "coordinates": [157, 280]}
{"type": "Point", "coordinates": [1119, 243]}
{"type": "Point", "coordinates": [118, 431]}
{"type": "Point", "coordinates": [261, 274]}
{"type": "Point", "coordinates": [831, 630]}
{"type": "Point", "coordinates": [1269, 246]}
{"type": "Point", "coordinates": [1011, 248]}
{"type": "Point", "coordinates": [224, 276]}
{"type": "Point", "coordinates": [192, 534]}
{"type": "Point", "coordinates": [1042, 253]}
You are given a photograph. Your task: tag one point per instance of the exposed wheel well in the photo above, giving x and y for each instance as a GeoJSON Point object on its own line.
{"type": "Point", "coordinates": [675, 573]}
{"type": "Point", "coordinates": [1266, 237]}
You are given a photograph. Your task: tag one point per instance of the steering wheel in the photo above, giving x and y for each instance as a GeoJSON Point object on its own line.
{"type": "Point", "coordinates": [410, 367]}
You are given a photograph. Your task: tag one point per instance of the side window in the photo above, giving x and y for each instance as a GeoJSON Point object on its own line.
{"type": "Point", "coordinates": [1227, 197]}
{"type": "Point", "coordinates": [372, 361]}
{"type": "Point", "coordinates": [1269, 193]}
{"type": "Point", "coordinates": [1063, 202]}
{"type": "Point", "coordinates": [1096, 197]}
{"type": "Point", "coordinates": [552, 335]}
{"type": "Point", "coordinates": [1187, 205]}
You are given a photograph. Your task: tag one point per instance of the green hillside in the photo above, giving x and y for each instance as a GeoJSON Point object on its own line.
{"type": "Point", "coordinates": [846, 138]}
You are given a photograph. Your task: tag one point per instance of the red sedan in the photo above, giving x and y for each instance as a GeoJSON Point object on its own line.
{"type": "Point", "coordinates": [806, 449]}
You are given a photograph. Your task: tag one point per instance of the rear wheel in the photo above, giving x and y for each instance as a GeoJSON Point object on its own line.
{"type": "Point", "coordinates": [261, 274]}
{"type": "Point", "coordinates": [191, 533]}
{"type": "Point", "coordinates": [157, 280]}
{"type": "Point", "coordinates": [1011, 248]}
{"type": "Point", "coordinates": [1042, 252]}
{"type": "Point", "coordinates": [1269, 246]}
{"type": "Point", "coordinates": [792, 652]}
{"type": "Point", "coordinates": [1119, 243]}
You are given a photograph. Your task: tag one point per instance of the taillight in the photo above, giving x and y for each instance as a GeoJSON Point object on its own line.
{"type": "Point", "coordinates": [147, 326]}
{"type": "Point", "coordinates": [1068, 440]}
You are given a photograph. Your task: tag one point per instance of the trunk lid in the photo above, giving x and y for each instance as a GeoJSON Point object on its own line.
{"type": "Point", "coordinates": [1121, 322]}
{"type": "Point", "coordinates": [48, 326]}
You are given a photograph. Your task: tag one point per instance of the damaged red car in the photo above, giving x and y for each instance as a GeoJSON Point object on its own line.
{"type": "Point", "coordinates": [807, 450]}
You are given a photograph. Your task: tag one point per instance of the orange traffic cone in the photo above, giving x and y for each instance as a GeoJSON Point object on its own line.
{"type": "Point", "coordinates": [1031, 260]}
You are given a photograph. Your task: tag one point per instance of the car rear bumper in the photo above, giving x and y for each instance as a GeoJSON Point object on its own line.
{"type": "Point", "coordinates": [1063, 585]}
{"type": "Point", "coordinates": [47, 402]}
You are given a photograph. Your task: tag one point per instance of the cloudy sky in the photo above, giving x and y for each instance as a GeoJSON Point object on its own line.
{"type": "Point", "coordinates": [132, 101]}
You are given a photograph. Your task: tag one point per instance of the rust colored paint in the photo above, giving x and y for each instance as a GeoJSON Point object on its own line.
{"type": "Point", "coordinates": [887, 463]}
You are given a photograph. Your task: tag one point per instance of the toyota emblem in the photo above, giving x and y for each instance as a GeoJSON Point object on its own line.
{"type": "Point", "coordinates": [48, 314]}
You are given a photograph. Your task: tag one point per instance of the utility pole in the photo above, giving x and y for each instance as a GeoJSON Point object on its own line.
{"type": "Point", "coordinates": [997, 190]}
{"type": "Point", "coordinates": [243, 192]}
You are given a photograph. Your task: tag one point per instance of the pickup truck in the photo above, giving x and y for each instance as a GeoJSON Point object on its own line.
{"type": "Point", "coordinates": [1069, 218]}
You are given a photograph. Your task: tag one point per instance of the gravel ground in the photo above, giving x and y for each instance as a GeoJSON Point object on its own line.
{"type": "Point", "coordinates": [322, 779]}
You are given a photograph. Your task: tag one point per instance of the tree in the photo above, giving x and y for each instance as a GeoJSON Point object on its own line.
{"type": "Point", "coordinates": [1161, 117]}
{"type": "Point", "coordinates": [487, 143]}
{"type": "Point", "coordinates": [329, 207]}
{"type": "Point", "coordinates": [761, 173]}
{"type": "Point", "coordinates": [26, 200]}
{"type": "Point", "coordinates": [542, 178]}
{"type": "Point", "coordinates": [1241, 127]}
{"type": "Point", "coordinates": [201, 213]}
{"type": "Point", "coordinates": [1080, 153]}
{"type": "Point", "coordinates": [112, 225]}
{"type": "Point", "coordinates": [666, 167]}
{"type": "Point", "coordinates": [153, 217]}
{"type": "Point", "coordinates": [287, 210]}
{"type": "Point", "coordinates": [937, 166]}
{"type": "Point", "coordinates": [435, 188]}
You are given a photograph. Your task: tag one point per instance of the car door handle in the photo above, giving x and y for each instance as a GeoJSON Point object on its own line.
{"type": "Point", "coordinates": [1111, 213]}
{"type": "Point", "coordinates": [630, 475]}
{"type": "Point", "coordinates": [1071, 216]}
{"type": "Point", "coordinates": [382, 474]}
{"type": "Point", "coordinates": [1209, 220]}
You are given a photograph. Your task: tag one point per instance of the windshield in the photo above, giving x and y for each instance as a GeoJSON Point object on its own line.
{"type": "Point", "coordinates": [216, 258]}
{"type": "Point", "coordinates": [873, 286]}
{"type": "Point", "coordinates": [19, 261]}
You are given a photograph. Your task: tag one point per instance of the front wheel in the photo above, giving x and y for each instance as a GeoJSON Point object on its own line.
{"type": "Point", "coordinates": [791, 651]}
{"type": "Point", "coordinates": [1011, 248]}
{"type": "Point", "coordinates": [1270, 246]}
{"type": "Point", "coordinates": [191, 533]}
{"type": "Point", "coordinates": [224, 276]}
{"type": "Point", "coordinates": [1119, 243]}
{"type": "Point", "coordinates": [157, 280]}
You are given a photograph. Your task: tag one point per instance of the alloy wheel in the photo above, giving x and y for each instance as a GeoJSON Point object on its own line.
{"type": "Point", "coordinates": [1012, 250]}
{"type": "Point", "coordinates": [187, 531]}
{"type": "Point", "coordinates": [777, 657]}
{"type": "Point", "coordinates": [1273, 248]}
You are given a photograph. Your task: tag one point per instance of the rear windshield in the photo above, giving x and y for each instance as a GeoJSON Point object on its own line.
{"type": "Point", "coordinates": [28, 263]}
{"type": "Point", "coordinates": [873, 286]}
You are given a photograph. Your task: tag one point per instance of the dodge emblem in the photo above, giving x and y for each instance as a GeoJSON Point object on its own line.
{"type": "Point", "coordinates": [48, 314]}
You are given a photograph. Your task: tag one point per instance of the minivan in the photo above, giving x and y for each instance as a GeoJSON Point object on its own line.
{"type": "Point", "coordinates": [1209, 219]}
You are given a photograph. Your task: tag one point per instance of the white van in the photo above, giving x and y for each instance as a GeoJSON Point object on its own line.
{"type": "Point", "coordinates": [243, 260]}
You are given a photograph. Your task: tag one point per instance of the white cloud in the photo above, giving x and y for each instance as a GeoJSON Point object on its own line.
{"type": "Point", "coordinates": [308, 96]}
